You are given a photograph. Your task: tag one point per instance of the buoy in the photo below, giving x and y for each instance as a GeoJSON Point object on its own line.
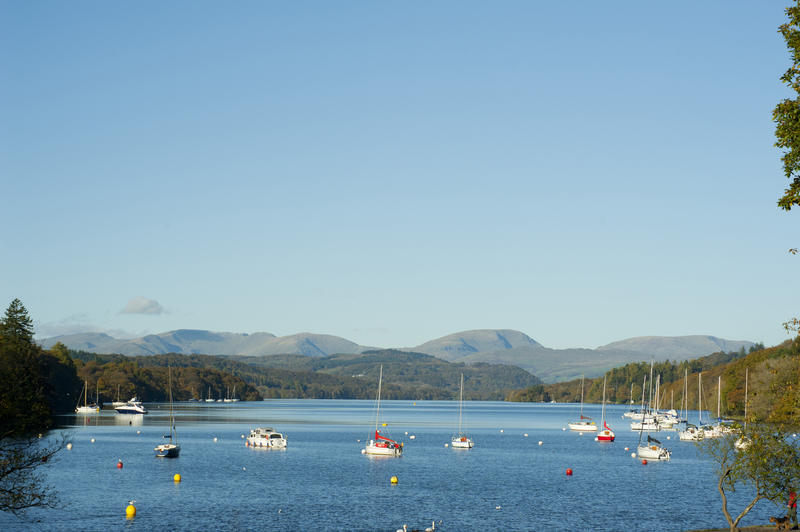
{"type": "Point", "coordinates": [415, 404]}
{"type": "Point", "coordinates": [176, 477]}
{"type": "Point", "coordinates": [563, 428]}
{"type": "Point", "coordinates": [526, 434]}
{"type": "Point", "coordinates": [501, 430]}
{"type": "Point", "coordinates": [215, 439]}
{"type": "Point", "coordinates": [363, 451]}
{"type": "Point", "coordinates": [669, 437]}
{"type": "Point", "coordinates": [644, 462]}
{"type": "Point", "coordinates": [393, 480]}
{"type": "Point", "coordinates": [92, 440]}
{"type": "Point", "coordinates": [244, 468]}
{"type": "Point", "coordinates": [242, 436]}
{"type": "Point", "coordinates": [119, 464]}
{"type": "Point", "coordinates": [130, 511]}
{"type": "Point", "coordinates": [412, 437]}
{"type": "Point", "coordinates": [446, 444]}
{"type": "Point", "coordinates": [580, 434]}
{"type": "Point", "coordinates": [569, 472]}
{"type": "Point", "coordinates": [596, 438]}
{"type": "Point", "coordinates": [383, 424]}
{"type": "Point", "coordinates": [540, 442]}
{"type": "Point", "coordinates": [497, 507]}
{"type": "Point", "coordinates": [406, 433]}
{"type": "Point", "coordinates": [138, 432]}
{"type": "Point", "coordinates": [633, 455]}
{"type": "Point", "coordinates": [627, 449]}
{"type": "Point", "coordinates": [69, 446]}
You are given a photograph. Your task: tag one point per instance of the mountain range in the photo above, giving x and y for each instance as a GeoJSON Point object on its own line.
{"type": "Point", "coordinates": [499, 346]}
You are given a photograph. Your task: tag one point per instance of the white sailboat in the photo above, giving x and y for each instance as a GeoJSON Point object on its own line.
{"type": "Point", "coordinates": [381, 445]}
{"type": "Point", "coordinates": [171, 449]}
{"type": "Point", "coordinates": [652, 449]}
{"type": "Point", "coordinates": [606, 434]}
{"type": "Point", "coordinates": [744, 442]}
{"type": "Point", "coordinates": [695, 432]}
{"type": "Point", "coordinates": [86, 408]}
{"type": "Point", "coordinates": [461, 440]}
{"type": "Point", "coordinates": [584, 423]}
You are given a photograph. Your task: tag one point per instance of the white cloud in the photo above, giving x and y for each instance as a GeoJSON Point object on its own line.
{"type": "Point", "coordinates": [142, 305]}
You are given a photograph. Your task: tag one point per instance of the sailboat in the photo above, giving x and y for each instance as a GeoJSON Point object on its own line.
{"type": "Point", "coordinates": [461, 440]}
{"type": "Point", "coordinates": [744, 442]}
{"type": "Point", "coordinates": [117, 403]}
{"type": "Point", "coordinates": [652, 449]}
{"type": "Point", "coordinates": [381, 445]}
{"type": "Point", "coordinates": [170, 449]}
{"type": "Point", "coordinates": [606, 434]}
{"type": "Point", "coordinates": [584, 424]}
{"type": "Point", "coordinates": [209, 399]}
{"type": "Point", "coordinates": [86, 408]}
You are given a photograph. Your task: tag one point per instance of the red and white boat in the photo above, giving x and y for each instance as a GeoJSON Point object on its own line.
{"type": "Point", "coordinates": [606, 434]}
{"type": "Point", "coordinates": [381, 445]}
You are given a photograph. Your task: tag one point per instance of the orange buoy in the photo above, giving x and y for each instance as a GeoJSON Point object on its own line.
{"type": "Point", "coordinates": [644, 462]}
{"type": "Point", "coordinates": [569, 472]}
{"type": "Point", "coordinates": [119, 464]}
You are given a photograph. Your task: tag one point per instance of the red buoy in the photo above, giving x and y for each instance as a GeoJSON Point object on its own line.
{"type": "Point", "coordinates": [569, 472]}
{"type": "Point", "coordinates": [119, 464]}
{"type": "Point", "coordinates": [644, 462]}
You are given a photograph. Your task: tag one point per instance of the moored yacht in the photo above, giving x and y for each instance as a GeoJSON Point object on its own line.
{"type": "Point", "coordinates": [266, 437]}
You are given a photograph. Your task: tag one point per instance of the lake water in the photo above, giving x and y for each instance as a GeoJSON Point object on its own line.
{"type": "Point", "coordinates": [323, 482]}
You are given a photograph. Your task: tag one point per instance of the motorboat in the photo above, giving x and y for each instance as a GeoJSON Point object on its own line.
{"type": "Point", "coordinates": [266, 437]}
{"type": "Point", "coordinates": [134, 406]}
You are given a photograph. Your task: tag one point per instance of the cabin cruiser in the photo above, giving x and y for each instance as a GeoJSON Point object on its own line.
{"type": "Point", "coordinates": [134, 406]}
{"type": "Point", "coordinates": [266, 437]}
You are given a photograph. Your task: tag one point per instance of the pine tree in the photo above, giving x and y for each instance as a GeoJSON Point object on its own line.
{"type": "Point", "coordinates": [16, 326]}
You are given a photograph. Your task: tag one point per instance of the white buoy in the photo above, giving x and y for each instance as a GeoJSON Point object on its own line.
{"type": "Point", "coordinates": [580, 434]}
{"type": "Point", "coordinates": [633, 455]}
{"type": "Point", "coordinates": [406, 433]}
{"type": "Point", "coordinates": [412, 437]}
{"type": "Point", "coordinates": [69, 446]}
{"type": "Point", "coordinates": [501, 430]}
{"type": "Point", "coordinates": [242, 436]}
{"type": "Point", "coordinates": [138, 432]}
{"type": "Point", "coordinates": [526, 434]}
{"type": "Point", "coordinates": [215, 439]}
{"type": "Point", "coordinates": [596, 438]}
{"type": "Point", "coordinates": [540, 442]}
{"type": "Point", "coordinates": [669, 437]}
{"type": "Point", "coordinates": [92, 440]}
{"type": "Point", "coordinates": [447, 445]}
{"type": "Point", "coordinates": [363, 451]}
{"type": "Point", "coordinates": [563, 428]}
{"type": "Point", "coordinates": [497, 507]}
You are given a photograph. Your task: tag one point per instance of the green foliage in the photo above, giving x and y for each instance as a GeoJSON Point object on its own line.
{"type": "Point", "coordinates": [768, 464]}
{"type": "Point", "coordinates": [35, 384]}
{"type": "Point", "coordinates": [787, 113]}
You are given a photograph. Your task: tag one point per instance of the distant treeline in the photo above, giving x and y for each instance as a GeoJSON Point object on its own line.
{"type": "Point", "coordinates": [406, 376]}
{"type": "Point", "coordinates": [625, 382]}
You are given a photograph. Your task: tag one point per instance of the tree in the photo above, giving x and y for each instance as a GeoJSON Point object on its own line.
{"type": "Point", "coordinates": [768, 463]}
{"type": "Point", "coordinates": [787, 113]}
{"type": "Point", "coordinates": [22, 483]}
{"type": "Point", "coordinates": [17, 326]}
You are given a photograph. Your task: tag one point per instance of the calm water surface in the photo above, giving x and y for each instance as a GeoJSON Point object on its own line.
{"type": "Point", "coordinates": [323, 482]}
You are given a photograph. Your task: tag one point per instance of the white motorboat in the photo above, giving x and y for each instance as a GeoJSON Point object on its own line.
{"type": "Point", "coordinates": [381, 445]}
{"type": "Point", "coordinates": [134, 406]}
{"type": "Point", "coordinates": [266, 437]}
{"type": "Point", "coordinates": [461, 440]}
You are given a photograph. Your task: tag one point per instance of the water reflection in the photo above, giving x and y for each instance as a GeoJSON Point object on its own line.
{"type": "Point", "coordinates": [129, 419]}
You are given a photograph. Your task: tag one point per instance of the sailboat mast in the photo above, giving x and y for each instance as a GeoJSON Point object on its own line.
{"type": "Point", "coordinates": [699, 398]}
{"type": "Point", "coordinates": [719, 396]}
{"type": "Point", "coordinates": [746, 370]}
{"type": "Point", "coordinates": [378, 402]}
{"type": "Point", "coordinates": [460, 403]}
{"type": "Point", "coordinates": [603, 410]}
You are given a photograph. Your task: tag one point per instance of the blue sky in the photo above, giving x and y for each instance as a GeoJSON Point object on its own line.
{"type": "Point", "coordinates": [392, 172]}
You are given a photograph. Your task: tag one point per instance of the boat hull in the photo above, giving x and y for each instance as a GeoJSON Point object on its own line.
{"type": "Point", "coordinates": [462, 443]}
{"type": "Point", "coordinates": [653, 452]}
{"type": "Point", "coordinates": [167, 450]}
{"type": "Point", "coordinates": [381, 448]}
{"type": "Point", "coordinates": [582, 426]}
{"type": "Point", "coordinates": [131, 409]}
{"type": "Point", "coordinates": [87, 410]}
{"type": "Point", "coordinates": [606, 435]}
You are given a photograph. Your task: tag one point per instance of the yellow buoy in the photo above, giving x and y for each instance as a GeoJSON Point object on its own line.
{"type": "Point", "coordinates": [177, 477]}
{"type": "Point", "coordinates": [383, 424]}
{"type": "Point", "coordinates": [130, 511]}
{"type": "Point", "coordinates": [393, 480]}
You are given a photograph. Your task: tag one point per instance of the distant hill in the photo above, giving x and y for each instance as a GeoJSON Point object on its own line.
{"type": "Point", "coordinates": [190, 341]}
{"type": "Point", "coordinates": [493, 346]}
